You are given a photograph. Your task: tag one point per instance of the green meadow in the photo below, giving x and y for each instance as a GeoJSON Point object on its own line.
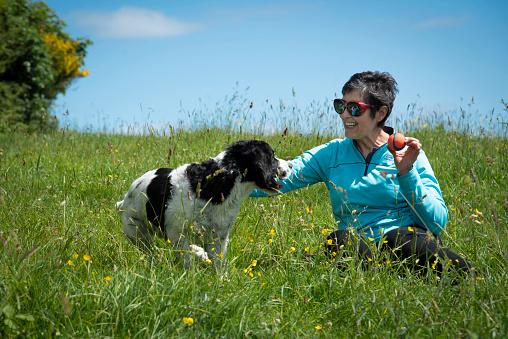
{"type": "Point", "coordinates": [67, 271]}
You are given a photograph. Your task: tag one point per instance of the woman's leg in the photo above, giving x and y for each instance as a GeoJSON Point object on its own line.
{"type": "Point", "coordinates": [345, 239]}
{"type": "Point", "coordinates": [418, 244]}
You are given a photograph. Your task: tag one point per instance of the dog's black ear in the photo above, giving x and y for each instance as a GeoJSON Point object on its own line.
{"type": "Point", "coordinates": [218, 186]}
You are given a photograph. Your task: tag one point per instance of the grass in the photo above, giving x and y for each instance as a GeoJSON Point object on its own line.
{"type": "Point", "coordinates": [67, 271]}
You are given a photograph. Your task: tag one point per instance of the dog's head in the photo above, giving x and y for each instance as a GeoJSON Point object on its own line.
{"type": "Point", "coordinates": [257, 163]}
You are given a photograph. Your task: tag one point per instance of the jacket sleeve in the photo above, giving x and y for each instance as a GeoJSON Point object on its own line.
{"type": "Point", "coordinates": [308, 169]}
{"type": "Point", "coordinates": [422, 192]}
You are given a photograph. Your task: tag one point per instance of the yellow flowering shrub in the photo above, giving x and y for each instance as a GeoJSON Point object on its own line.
{"type": "Point", "coordinates": [64, 57]}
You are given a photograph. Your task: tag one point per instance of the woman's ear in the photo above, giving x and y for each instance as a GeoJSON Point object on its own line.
{"type": "Point", "coordinates": [381, 113]}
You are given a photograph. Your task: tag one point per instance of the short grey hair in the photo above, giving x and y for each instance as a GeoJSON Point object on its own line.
{"type": "Point", "coordinates": [375, 88]}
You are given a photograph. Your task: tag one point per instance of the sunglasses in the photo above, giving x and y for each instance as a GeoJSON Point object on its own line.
{"type": "Point", "coordinates": [355, 108]}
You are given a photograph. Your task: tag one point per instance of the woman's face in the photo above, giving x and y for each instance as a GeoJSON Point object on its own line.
{"type": "Point", "coordinates": [358, 127]}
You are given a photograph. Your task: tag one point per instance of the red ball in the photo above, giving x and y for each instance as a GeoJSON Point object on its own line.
{"type": "Point", "coordinates": [396, 142]}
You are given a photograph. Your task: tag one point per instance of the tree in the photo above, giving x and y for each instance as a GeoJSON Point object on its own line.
{"type": "Point", "coordinates": [38, 60]}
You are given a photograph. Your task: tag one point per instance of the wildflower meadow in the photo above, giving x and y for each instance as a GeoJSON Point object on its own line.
{"type": "Point", "coordinates": [67, 270]}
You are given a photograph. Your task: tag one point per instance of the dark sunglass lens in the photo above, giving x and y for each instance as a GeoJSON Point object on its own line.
{"type": "Point", "coordinates": [339, 106]}
{"type": "Point", "coordinates": [354, 109]}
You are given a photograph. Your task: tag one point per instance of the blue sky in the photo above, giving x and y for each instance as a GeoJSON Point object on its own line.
{"type": "Point", "coordinates": [152, 58]}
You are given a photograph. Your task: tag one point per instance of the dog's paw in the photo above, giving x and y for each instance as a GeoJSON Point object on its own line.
{"type": "Point", "coordinates": [119, 205]}
{"type": "Point", "coordinates": [199, 252]}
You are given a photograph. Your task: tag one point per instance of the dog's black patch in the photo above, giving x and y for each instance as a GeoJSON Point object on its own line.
{"type": "Point", "coordinates": [158, 192]}
{"type": "Point", "coordinates": [215, 183]}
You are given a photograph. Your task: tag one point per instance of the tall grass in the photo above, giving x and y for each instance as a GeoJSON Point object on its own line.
{"type": "Point", "coordinates": [67, 271]}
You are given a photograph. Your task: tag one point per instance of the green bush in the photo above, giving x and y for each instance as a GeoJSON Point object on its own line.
{"type": "Point", "coordinates": [38, 60]}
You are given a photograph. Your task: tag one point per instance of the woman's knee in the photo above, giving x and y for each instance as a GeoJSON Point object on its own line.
{"type": "Point", "coordinates": [340, 240]}
{"type": "Point", "coordinates": [336, 241]}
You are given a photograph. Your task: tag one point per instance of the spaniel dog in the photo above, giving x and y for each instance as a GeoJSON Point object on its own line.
{"type": "Point", "coordinates": [198, 203]}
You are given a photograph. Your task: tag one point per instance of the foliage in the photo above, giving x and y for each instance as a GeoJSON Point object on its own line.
{"type": "Point", "coordinates": [67, 271]}
{"type": "Point", "coordinates": [38, 60]}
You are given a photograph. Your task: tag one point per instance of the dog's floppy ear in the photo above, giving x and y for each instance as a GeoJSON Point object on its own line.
{"type": "Point", "coordinates": [209, 181]}
{"type": "Point", "coordinates": [220, 185]}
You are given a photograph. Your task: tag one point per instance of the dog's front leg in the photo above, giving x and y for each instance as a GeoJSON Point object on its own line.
{"type": "Point", "coordinates": [217, 250]}
{"type": "Point", "coordinates": [181, 250]}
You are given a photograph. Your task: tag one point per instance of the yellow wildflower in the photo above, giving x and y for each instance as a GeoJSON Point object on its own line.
{"type": "Point", "coordinates": [86, 257]}
{"type": "Point", "coordinates": [108, 278]}
{"type": "Point", "coordinates": [188, 321]}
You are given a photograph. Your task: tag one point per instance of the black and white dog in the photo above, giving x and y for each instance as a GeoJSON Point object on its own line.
{"type": "Point", "coordinates": [198, 203]}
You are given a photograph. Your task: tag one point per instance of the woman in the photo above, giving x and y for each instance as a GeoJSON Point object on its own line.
{"type": "Point", "coordinates": [389, 199]}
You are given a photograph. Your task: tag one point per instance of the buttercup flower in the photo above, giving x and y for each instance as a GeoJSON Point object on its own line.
{"type": "Point", "coordinates": [108, 278]}
{"type": "Point", "coordinates": [189, 321]}
{"type": "Point", "coordinates": [292, 249]}
{"type": "Point", "coordinates": [86, 257]}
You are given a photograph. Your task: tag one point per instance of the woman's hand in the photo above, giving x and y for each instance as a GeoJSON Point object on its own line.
{"type": "Point", "coordinates": [405, 159]}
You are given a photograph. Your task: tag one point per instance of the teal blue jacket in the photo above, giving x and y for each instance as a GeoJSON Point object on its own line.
{"type": "Point", "coordinates": [367, 194]}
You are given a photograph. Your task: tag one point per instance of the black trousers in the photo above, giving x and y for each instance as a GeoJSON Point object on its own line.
{"type": "Point", "coordinates": [414, 243]}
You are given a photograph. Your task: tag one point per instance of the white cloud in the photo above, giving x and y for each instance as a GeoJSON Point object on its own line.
{"type": "Point", "coordinates": [444, 21]}
{"type": "Point", "coordinates": [133, 22]}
